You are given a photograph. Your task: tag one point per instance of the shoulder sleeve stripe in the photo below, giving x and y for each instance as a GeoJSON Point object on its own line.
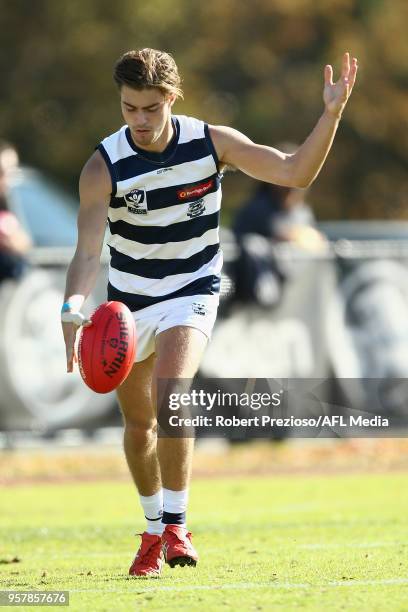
{"type": "Point", "coordinates": [211, 146]}
{"type": "Point", "coordinates": [110, 166]}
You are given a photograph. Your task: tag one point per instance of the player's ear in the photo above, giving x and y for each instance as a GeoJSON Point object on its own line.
{"type": "Point", "coordinates": [171, 98]}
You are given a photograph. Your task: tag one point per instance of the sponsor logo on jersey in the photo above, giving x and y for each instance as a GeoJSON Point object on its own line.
{"type": "Point", "coordinates": [163, 170]}
{"type": "Point", "coordinates": [136, 201]}
{"type": "Point", "coordinates": [197, 191]}
{"type": "Point", "coordinates": [195, 209]}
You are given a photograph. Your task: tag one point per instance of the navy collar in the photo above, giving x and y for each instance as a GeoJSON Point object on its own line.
{"type": "Point", "coordinates": [154, 156]}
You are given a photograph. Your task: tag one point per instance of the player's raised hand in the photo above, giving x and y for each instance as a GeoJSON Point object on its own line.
{"type": "Point", "coordinates": [335, 95]}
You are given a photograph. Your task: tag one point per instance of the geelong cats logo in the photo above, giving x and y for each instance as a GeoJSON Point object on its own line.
{"type": "Point", "coordinates": [195, 209]}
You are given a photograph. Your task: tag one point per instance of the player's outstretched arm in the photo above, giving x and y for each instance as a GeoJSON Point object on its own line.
{"type": "Point", "coordinates": [302, 167]}
{"type": "Point", "coordinates": [94, 190]}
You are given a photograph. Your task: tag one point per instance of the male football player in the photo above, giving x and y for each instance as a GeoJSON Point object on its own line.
{"type": "Point", "coordinates": [157, 181]}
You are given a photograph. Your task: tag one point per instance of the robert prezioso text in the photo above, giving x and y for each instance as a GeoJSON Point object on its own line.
{"type": "Point", "coordinates": [268, 421]}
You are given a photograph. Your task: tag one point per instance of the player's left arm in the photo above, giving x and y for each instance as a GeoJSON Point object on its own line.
{"type": "Point", "coordinates": [302, 167]}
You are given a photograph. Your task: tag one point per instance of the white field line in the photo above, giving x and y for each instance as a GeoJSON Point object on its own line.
{"type": "Point", "coordinates": [248, 585]}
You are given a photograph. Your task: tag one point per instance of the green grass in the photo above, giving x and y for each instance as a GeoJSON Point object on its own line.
{"type": "Point", "coordinates": [279, 543]}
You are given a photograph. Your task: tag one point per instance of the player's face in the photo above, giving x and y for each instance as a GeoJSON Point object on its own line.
{"type": "Point", "coordinates": [148, 114]}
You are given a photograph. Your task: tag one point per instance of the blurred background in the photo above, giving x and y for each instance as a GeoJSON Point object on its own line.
{"type": "Point", "coordinates": [257, 66]}
{"type": "Point", "coordinates": [315, 283]}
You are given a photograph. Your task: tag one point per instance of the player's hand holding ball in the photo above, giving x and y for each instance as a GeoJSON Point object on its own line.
{"type": "Point", "coordinates": [71, 320]}
{"type": "Point", "coordinates": [107, 344]}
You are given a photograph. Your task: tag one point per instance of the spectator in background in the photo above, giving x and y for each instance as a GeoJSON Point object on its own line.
{"type": "Point", "coordinates": [14, 242]}
{"type": "Point", "coordinates": [273, 214]}
{"type": "Point", "coordinates": [280, 213]}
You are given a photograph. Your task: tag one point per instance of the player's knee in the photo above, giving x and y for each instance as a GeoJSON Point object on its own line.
{"type": "Point", "coordinates": [140, 428]}
{"type": "Point", "coordinates": [137, 411]}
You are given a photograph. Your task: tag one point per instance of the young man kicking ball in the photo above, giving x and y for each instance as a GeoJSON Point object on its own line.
{"type": "Point", "coordinates": [157, 181]}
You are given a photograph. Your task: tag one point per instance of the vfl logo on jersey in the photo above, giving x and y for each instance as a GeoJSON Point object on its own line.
{"type": "Point", "coordinates": [197, 191]}
{"type": "Point", "coordinates": [136, 201]}
{"type": "Point", "coordinates": [195, 209]}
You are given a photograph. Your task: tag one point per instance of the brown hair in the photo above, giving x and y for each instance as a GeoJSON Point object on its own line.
{"type": "Point", "coordinates": [148, 68]}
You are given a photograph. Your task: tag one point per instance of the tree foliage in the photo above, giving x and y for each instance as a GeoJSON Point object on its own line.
{"type": "Point", "coordinates": [255, 65]}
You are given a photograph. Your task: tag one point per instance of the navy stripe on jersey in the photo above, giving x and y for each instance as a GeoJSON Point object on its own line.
{"type": "Point", "coordinates": [133, 166]}
{"type": "Point", "coordinates": [160, 268]}
{"type": "Point", "coordinates": [211, 146]}
{"type": "Point", "coordinates": [111, 169]}
{"type": "Point", "coordinates": [176, 232]}
{"type": "Point", "coordinates": [168, 196]}
{"type": "Point", "coordinates": [208, 285]}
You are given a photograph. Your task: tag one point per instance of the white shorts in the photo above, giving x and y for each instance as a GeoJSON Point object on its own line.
{"type": "Point", "coordinates": [198, 311]}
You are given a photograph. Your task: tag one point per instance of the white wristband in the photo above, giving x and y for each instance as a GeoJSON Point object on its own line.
{"type": "Point", "coordinates": [76, 318]}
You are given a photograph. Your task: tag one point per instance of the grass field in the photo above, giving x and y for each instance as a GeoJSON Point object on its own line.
{"type": "Point", "coordinates": [286, 542]}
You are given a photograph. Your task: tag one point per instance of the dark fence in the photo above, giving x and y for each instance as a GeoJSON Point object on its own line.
{"type": "Point", "coordinates": [338, 315]}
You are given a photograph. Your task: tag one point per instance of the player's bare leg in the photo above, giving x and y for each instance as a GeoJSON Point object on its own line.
{"type": "Point", "coordinates": [140, 433]}
{"type": "Point", "coordinates": [179, 351]}
{"type": "Point", "coordinates": [140, 439]}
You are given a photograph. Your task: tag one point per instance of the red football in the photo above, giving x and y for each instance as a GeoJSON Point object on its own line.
{"type": "Point", "coordinates": [106, 349]}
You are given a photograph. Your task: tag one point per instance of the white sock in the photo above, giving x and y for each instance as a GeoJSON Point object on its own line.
{"type": "Point", "coordinates": [153, 510]}
{"type": "Point", "coordinates": [174, 507]}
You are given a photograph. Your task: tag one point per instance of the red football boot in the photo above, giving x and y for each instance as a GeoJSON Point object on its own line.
{"type": "Point", "coordinates": [177, 546]}
{"type": "Point", "coordinates": [149, 558]}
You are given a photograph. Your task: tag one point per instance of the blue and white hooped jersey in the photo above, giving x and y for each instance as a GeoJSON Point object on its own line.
{"type": "Point", "coordinates": [163, 216]}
